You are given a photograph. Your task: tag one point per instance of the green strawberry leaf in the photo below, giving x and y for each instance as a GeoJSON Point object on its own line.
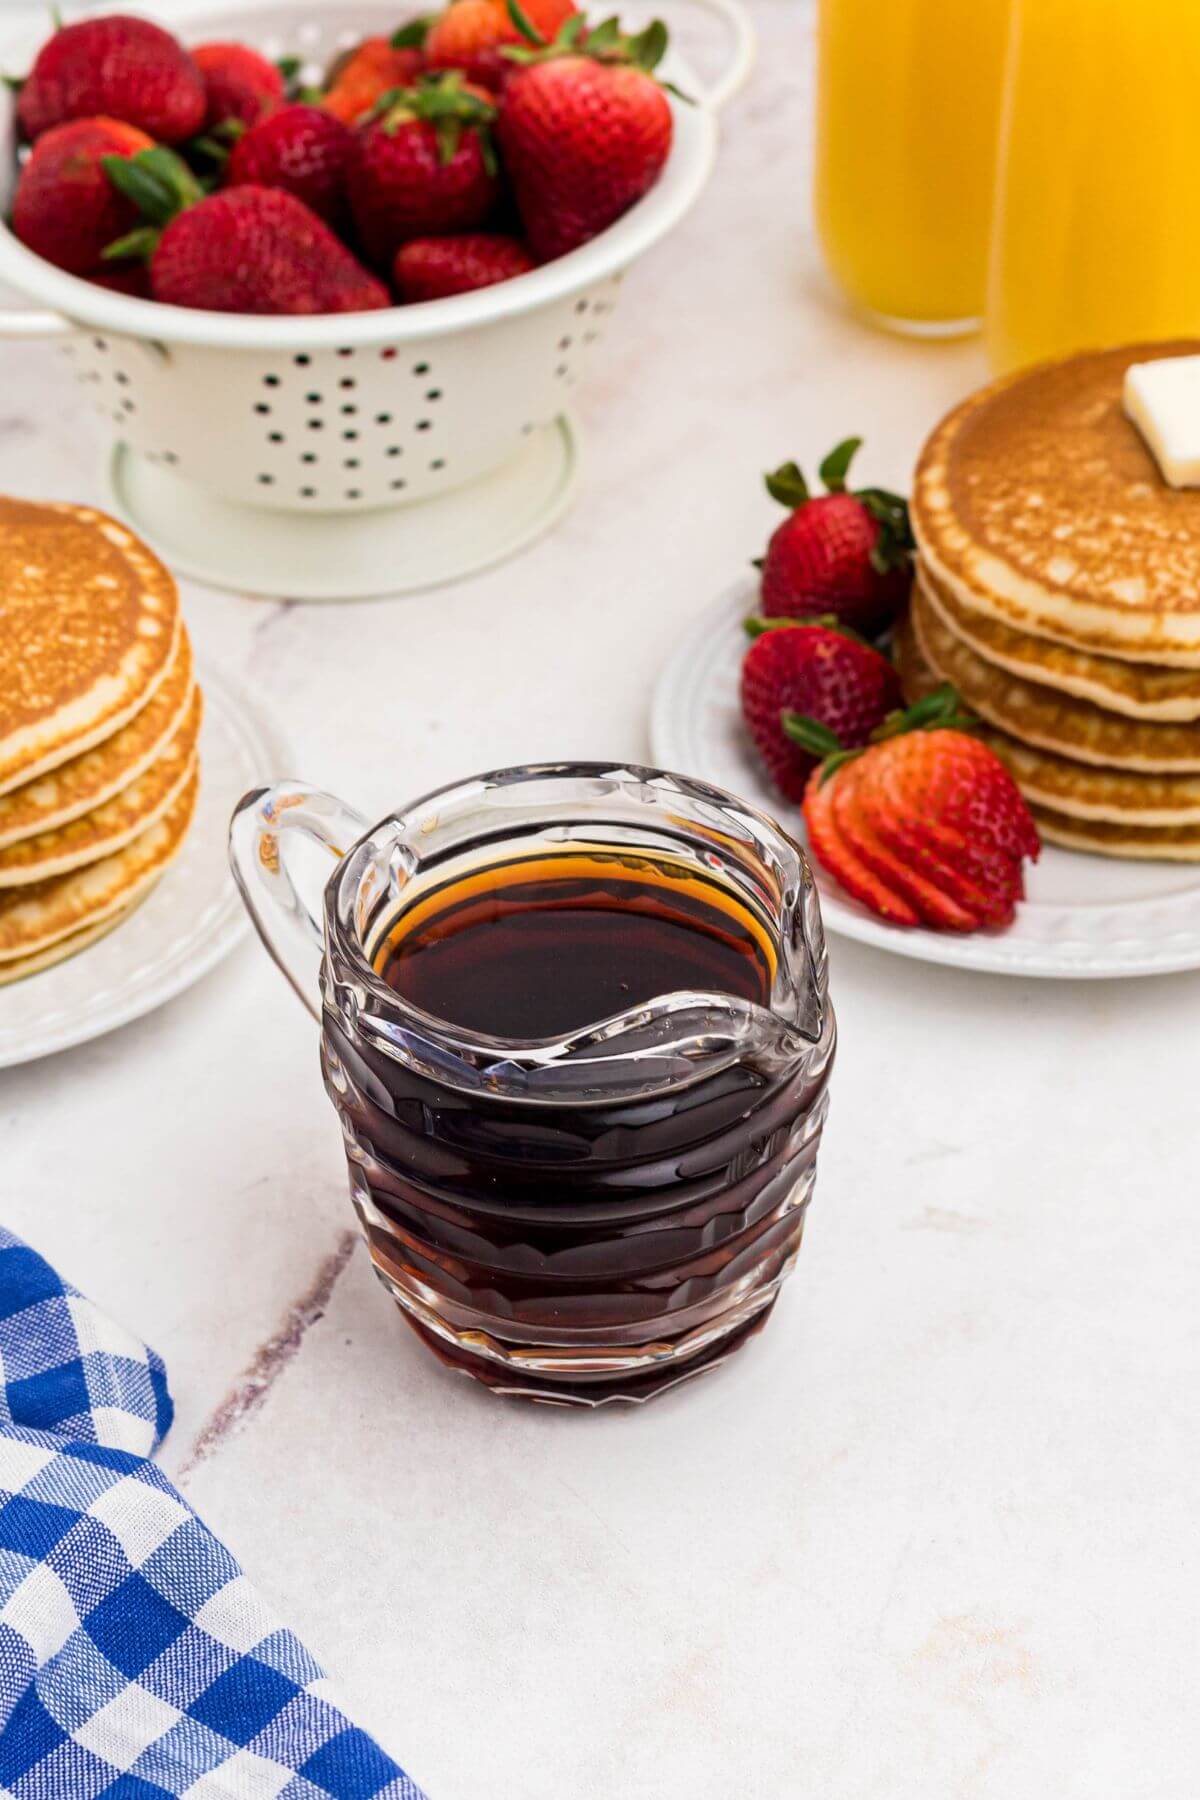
{"type": "Point", "coordinates": [756, 626]}
{"type": "Point", "coordinates": [412, 35]}
{"type": "Point", "coordinates": [138, 245]}
{"type": "Point", "coordinates": [647, 48]}
{"type": "Point", "coordinates": [895, 544]}
{"type": "Point", "coordinates": [940, 710]}
{"type": "Point", "coordinates": [810, 734]}
{"type": "Point", "coordinates": [14, 83]}
{"type": "Point", "coordinates": [158, 182]}
{"type": "Point", "coordinates": [787, 485]}
{"type": "Point", "coordinates": [836, 467]}
{"type": "Point", "coordinates": [289, 67]}
{"type": "Point", "coordinates": [524, 23]}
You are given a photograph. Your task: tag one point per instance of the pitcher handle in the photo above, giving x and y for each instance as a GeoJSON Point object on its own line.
{"type": "Point", "coordinates": [284, 902]}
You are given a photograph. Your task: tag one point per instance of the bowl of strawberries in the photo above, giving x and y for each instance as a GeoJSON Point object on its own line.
{"type": "Point", "coordinates": [330, 276]}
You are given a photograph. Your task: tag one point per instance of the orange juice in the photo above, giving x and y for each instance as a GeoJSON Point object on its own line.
{"type": "Point", "coordinates": [908, 95]}
{"type": "Point", "coordinates": [1097, 233]}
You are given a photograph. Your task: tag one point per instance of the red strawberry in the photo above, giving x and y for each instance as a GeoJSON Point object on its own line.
{"type": "Point", "coordinates": [470, 35]}
{"type": "Point", "coordinates": [118, 67]}
{"type": "Point", "coordinates": [66, 208]}
{"type": "Point", "coordinates": [845, 553]}
{"type": "Point", "coordinates": [423, 166]}
{"type": "Point", "coordinates": [360, 80]}
{"type": "Point", "coordinates": [432, 268]}
{"type": "Point", "coordinates": [583, 133]}
{"type": "Point", "coordinates": [239, 84]}
{"type": "Point", "coordinates": [833, 679]}
{"type": "Point", "coordinates": [244, 250]}
{"type": "Point", "coordinates": [926, 826]}
{"type": "Point", "coordinates": [302, 149]}
{"type": "Point", "coordinates": [259, 250]}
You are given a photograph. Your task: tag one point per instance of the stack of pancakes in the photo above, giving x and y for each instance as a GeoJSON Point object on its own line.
{"type": "Point", "coordinates": [99, 724]}
{"type": "Point", "coordinates": [1058, 589]}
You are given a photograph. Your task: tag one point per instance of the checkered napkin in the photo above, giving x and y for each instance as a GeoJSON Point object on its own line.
{"type": "Point", "coordinates": [136, 1660]}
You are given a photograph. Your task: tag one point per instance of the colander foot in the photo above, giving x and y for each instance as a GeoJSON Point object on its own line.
{"type": "Point", "coordinates": [348, 555]}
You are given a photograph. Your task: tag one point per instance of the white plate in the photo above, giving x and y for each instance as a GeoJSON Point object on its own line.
{"type": "Point", "coordinates": [1087, 916]}
{"type": "Point", "coordinates": [189, 922]}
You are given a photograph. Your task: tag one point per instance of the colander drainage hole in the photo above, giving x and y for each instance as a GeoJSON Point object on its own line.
{"type": "Point", "coordinates": [308, 457]}
{"type": "Point", "coordinates": [302, 361]}
{"type": "Point", "coordinates": [276, 437]}
{"type": "Point", "coordinates": [439, 462]}
{"type": "Point", "coordinates": [395, 450]}
{"type": "Point", "coordinates": [351, 462]}
{"type": "Point", "coordinates": [420, 368]}
{"type": "Point", "coordinates": [353, 494]}
{"type": "Point", "coordinates": [308, 493]}
{"type": "Point", "coordinates": [316, 424]}
{"type": "Point", "coordinates": [424, 424]}
{"type": "Point", "coordinates": [313, 399]}
{"type": "Point", "coordinates": [266, 480]}
{"type": "Point", "coordinates": [349, 411]}
{"type": "Point", "coordinates": [261, 406]}
{"type": "Point", "coordinates": [270, 381]}
{"type": "Point", "coordinates": [399, 484]}
{"type": "Point", "coordinates": [349, 437]}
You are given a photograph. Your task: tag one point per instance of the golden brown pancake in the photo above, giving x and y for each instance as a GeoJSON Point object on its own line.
{"type": "Point", "coordinates": [18, 967]}
{"type": "Point", "coordinates": [33, 918]}
{"type": "Point", "coordinates": [88, 619]}
{"type": "Point", "coordinates": [87, 781]}
{"type": "Point", "coordinates": [1081, 790]}
{"type": "Point", "coordinates": [1037, 503]}
{"type": "Point", "coordinates": [115, 823]}
{"type": "Point", "coordinates": [1161, 843]}
{"type": "Point", "coordinates": [1140, 690]}
{"type": "Point", "coordinates": [1037, 715]}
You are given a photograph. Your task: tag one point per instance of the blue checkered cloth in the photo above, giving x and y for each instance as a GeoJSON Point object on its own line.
{"type": "Point", "coordinates": [136, 1659]}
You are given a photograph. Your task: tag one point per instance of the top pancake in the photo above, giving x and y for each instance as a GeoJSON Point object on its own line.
{"type": "Point", "coordinates": [1038, 503]}
{"type": "Point", "coordinates": [88, 623]}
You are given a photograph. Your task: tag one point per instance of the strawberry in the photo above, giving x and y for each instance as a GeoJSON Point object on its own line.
{"type": "Point", "coordinates": [360, 80]}
{"type": "Point", "coordinates": [239, 84]}
{"type": "Point", "coordinates": [845, 553]}
{"type": "Point", "coordinates": [423, 165]}
{"type": "Point", "coordinates": [433, 267]}
{"type": "Point", "coordinates": [926, 825]}
{"type": "Point", "coordinates": [66, 208]}
{"type": "Point", "coordinates": [118, 68]}
{"type": "Point", "coordinates": [470, 35]}
{"type": "Point", "coordinates": [584, 132]}
{"type": "Point", "coordinates": [244, 250]}
{"type": "Point", "coordinates": [827, 675]}
{"type": "Point", "coordinates": [303, 150]}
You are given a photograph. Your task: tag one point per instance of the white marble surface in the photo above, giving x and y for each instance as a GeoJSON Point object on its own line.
{"type": "Point", "coordinates": [934, 1533]}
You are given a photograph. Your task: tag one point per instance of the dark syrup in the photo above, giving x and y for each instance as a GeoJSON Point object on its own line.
{"type": "Point", "coordinates": [543, 947]}
{"type": "Point", "coordinates": [614, 1222]}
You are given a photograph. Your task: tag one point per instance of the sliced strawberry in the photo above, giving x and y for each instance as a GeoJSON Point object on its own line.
{"type": "Point", "coordinates": [842, 861]}
{"type": "Point", "coordinates": [936, 907]}
{"type": "Point", "coordinates": [903, 838]}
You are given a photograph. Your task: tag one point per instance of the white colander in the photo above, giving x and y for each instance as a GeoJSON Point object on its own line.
{"type": "Point", "coordinates": [350, 414]}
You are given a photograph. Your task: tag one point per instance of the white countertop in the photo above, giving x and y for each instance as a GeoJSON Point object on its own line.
{"type": "Point", "coordinates": [934, 1533]}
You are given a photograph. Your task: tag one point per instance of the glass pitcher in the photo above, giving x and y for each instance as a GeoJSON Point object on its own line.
{"type": "Point", "coordinates": [591, 1218]}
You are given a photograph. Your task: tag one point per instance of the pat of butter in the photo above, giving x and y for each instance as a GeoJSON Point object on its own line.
{"type": "Point", "coordinates": [1163, 400]}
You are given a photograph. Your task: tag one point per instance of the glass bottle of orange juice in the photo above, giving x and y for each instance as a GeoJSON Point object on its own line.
{"type": "Point", "coordinates": [908, 95]}
{"type": "Point", "coordinates": [1097, 226]}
